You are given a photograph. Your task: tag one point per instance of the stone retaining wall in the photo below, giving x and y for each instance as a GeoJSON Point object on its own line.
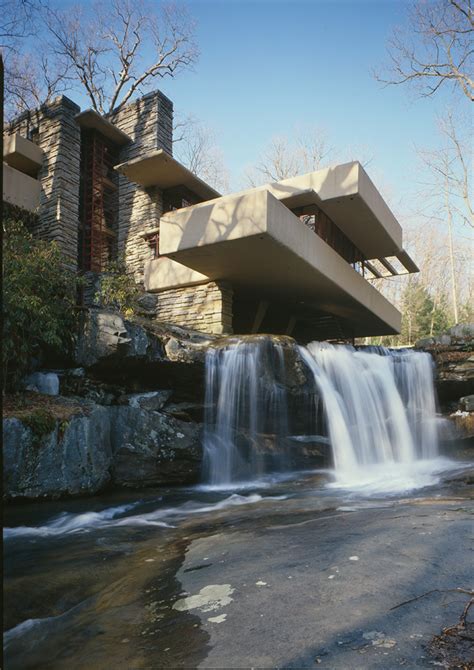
{"type": "Point", "coordinates": [207, 307]}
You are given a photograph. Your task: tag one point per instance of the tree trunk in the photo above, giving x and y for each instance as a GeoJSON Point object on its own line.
{"type": "Point", "coordinates": [451, 255]}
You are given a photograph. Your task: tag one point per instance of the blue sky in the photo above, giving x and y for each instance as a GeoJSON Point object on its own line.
{"type": "Point", "coordinates": [267, 66]}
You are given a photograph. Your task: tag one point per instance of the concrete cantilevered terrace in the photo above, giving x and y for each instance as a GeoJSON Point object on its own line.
{"type": "Point", "coordinates": [259, 241]}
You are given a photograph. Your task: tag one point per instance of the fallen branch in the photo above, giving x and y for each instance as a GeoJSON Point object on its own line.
{"type": "Point", "coordinates": [450, 630]}
{"type": "Point", "coordinates": [423, 595]}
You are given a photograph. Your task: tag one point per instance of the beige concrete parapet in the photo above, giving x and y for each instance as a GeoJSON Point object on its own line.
{"type": "Point", "coordinates": [163, 273]}
{"type": "Point", "coordinates": [349, 197]}
{"type": "Point", "coordinates": [21, 190]}
{"type": "Point", "coordinates": [22, 154]}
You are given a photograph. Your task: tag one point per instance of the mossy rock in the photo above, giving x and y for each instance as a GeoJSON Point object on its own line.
{"type": "Point", "coordinates": [41, 422]}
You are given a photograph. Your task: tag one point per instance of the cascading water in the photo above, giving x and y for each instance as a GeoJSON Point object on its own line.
{"type": "Point", "coordinates": [379, 409]}
{"type": "Point", "coordinates": [414, 376]}
{"type": "Point", "coordinates": [246, 411]}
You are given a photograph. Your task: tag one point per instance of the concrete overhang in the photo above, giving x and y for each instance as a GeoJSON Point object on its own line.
{"type": "Point", "coordinates": [256, 243]}
{"type": "Point", "coordinates": [407, 262]}
{"type": "Point", "coordinates": [22, 154]}
{"type": "Point", "coordinates": [348, 196]}
{"type": "Point", "coordinates": [20, 189]}
{"type": "Point", "coordinates": [158, 168]}
{"type": "Point", "coordinates": [94, 121]}
{"type": "Point", "coordinates": [162, 274]}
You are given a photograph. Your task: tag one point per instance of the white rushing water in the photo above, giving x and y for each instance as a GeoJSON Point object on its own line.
{"type": "Point", "coordinates": [246, 411]}
{"type": "Point", "coordinates": [379, 409]}
{"type": "Point", "coordinates": [116, 517]}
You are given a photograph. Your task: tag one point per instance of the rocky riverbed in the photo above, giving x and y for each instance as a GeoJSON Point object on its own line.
{"type": "Point", "coordinates": [127, 412]}
{"type": "Point", "coordinates": [294, 571]}
{"type": "Point", "coordinates": [291, 574]}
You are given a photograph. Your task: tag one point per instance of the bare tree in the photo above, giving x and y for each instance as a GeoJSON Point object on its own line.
{"type": "Point", "coordinates": [31, 81]}
{"type": "Point", "coordinates": [307, 150]}
{"type": "Point", "coordinates": [16, 22]}
{"type": "Point", "coordinates": [447, 197]}
{"type": "Point", "coordinates": [286, 157]}
{"type": "Point", "coordinates": [111, 52]}
{"type": "Point", "coordinates": [195, 145]}
{"type": "Point", "coordinates": [30, 78]}
{"type": "Point", "coordinates": [437, 47]}
{"type": "Point", "coordinates": [456, 130]}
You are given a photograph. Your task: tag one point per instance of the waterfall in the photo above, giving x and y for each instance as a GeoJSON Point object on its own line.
{"type": "Point", "coordinates": [379, 408]}
{"type": "Point", "coordinates": [246, 411]}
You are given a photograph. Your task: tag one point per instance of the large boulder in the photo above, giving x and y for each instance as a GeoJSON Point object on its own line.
{"type": "Point", "coordinates": [466, 404]}
{"type": "Point", "coordinates": [152, 448]}
{"type": "Point", "coordinates": [142, 355]}
{"type": "Point", "coordinates": [107, 335]}
{"type": "Point", "coordinates": [73, 458]}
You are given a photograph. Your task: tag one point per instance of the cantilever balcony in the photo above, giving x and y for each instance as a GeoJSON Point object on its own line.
{"type": "Point", "coordinates": [256, 243]}
{"type": "Point", "coordinates": [22, 160]}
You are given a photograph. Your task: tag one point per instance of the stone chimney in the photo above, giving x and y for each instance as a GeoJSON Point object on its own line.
{"type": "Point", "coordinates": [149, 123]}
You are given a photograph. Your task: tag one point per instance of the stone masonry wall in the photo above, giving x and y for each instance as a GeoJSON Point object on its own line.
{"type": "Point", "coordinates": [207, 307]}
{"type": "Point", "coordinates": [149, 122]}
{"type": "Point", "coordinates": [53, 128]}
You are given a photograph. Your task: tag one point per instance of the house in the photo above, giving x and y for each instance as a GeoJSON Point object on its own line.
{"type": "Point", "coordinates": [294, 257]}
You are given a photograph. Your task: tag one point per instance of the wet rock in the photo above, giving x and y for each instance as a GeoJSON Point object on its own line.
{"type": "Point", "coordinates": [309, 451]}
{"type": "Point", "coordinates": [463, 423]}
{"type": "Point", "coordinates": [152, 401]}
{"type": "Point", "coordinates": [151, 448]}
{"type": "Point", "coordinates": [72, 459]}
{"type": "Point", "coordinates": [466, 404]}
{"type": "Point", "coordinates": [464, 478]}
{"type": "Point", "coordinates": [126, 445]}
{"type": "Point", "coordinates": [186, 411]}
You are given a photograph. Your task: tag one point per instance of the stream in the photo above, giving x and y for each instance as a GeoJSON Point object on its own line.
{"type": "Point", "coordinates": [189, 577]}
{"type": "Point", "coordinates": [261, 565]}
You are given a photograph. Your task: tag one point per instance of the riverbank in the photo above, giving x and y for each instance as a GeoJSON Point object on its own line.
{"type": "Point", "coordinates": [293, 574]}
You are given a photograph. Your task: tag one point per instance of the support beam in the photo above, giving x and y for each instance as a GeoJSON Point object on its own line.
{"type": "Point", "coordinates": [373, 269]}
{"type": "Point", "coordinates": [388, 266]}
{"type": "Point", "coordinates": [407, 262]}
{"type": "Point", "coordinates": [259, 315]}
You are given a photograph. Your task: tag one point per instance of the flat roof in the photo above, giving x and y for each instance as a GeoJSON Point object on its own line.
{"type": "Point", "coordinates": [91, 119]}
{"type": "Point", "coordinates": [158, 168]}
